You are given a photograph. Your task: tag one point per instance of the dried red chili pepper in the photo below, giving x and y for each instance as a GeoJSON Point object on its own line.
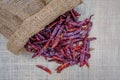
{"type": "Point", "coordinates": [61, 67]}
{"type": "Point", "coordinates": [64, 41]}
{"type": "Point", "coordinates": [44, 68]}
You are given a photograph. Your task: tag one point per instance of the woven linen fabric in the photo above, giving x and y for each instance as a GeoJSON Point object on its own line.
{"type": "Point", "coordinates": [105, 59]}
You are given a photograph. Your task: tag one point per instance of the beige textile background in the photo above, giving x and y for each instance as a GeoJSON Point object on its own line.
{"type": "Point", "coordinates": [105, 59]}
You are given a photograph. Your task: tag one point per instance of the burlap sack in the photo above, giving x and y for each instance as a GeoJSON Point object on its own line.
{"type": "Point", "coordinates": [37, 22]}
{"type": "Point", "coordinates": [14, 12]}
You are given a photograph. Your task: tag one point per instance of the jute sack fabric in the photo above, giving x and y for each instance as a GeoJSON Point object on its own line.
{"type": "Point", "coordinates": [14, 12]}
{"type": "Point", "coordinates": [37, 22]}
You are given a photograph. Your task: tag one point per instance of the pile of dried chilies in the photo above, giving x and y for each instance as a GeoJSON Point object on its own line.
{"type": "Point", "coordinates": [65, 41]}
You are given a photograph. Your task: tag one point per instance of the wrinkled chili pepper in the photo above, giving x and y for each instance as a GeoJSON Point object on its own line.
{"type": "Point", "coordinates": [65, 41]}
{"type": "Point", "coordinates": [44, 68]}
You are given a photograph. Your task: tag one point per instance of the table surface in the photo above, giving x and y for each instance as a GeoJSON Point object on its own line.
{"type": "Point", "coordinates": [105, 59]}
